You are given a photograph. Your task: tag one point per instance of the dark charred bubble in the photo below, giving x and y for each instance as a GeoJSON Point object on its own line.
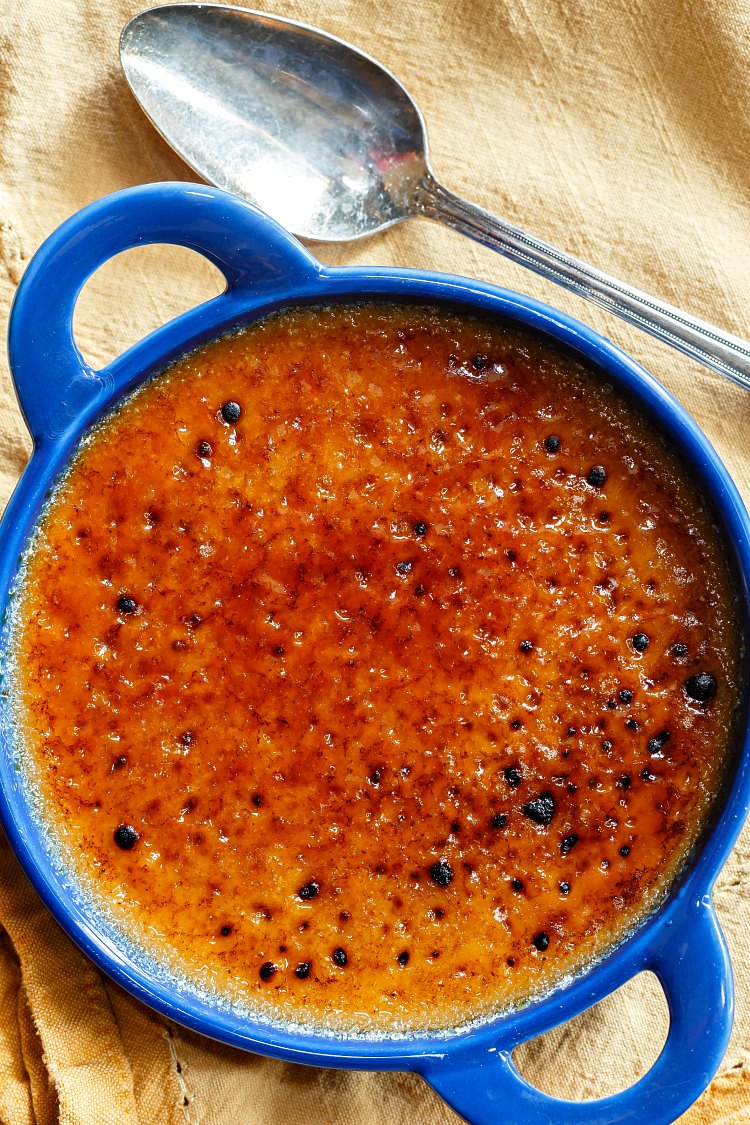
{"type": "Point", "coordinates": [499, 820]}
{"type": "Point", "coordinates": [656, 744]}
{"type": "Point", "coordinates": [596, 476]}
{"type": "Point", "coordinates": [513, 776]}
{"type": "Point", "coordinates": [606, 745]}
{"type": "Point", "coordinates": [339, 957]}
{"type": "Point", "coordinates": [511, 555]}
{"type": "Point", "coordinates": [441, 873]}
{"type": "Point", "coordinates": [403, 958]}
{"type": "Point", "coordinates": [278, 650]}
{"type": "Point", "coordinates": [454, 571]}
{"type": "Point", "coordinates": [640, 641]}
{"type": "Point", "coordinates": [516, 724]}
{"type": "Point", "coordinates": [231, 411]}
{"type": "Point", "coordinates": [309, 891]}
{"type": "Point", "coordinates": [420, 591]}
{"type": "Point", "coordinates": [404, 568]}
{"type": "Point", "coordinates": [376, 777]}
{"type": "Point", "coordinates": [526, 646]}
{"type": "Point", "coordinates": [188, 737]}
{"type": "Point", "coordinates": [625, 781]}
{"type": "Point", "coordinates": [267, 969]}
{"type": "Point", "coordinates": [119, 762]}
{"type": "Point", "coordinates": [479, 362]}
{"type": "Point", "coordinates": [625, 850]}
{"type": "Point", "coordinates": [204, 449]}
{"type": "Point", "coordinates": [510, 962]}
{"type": "Point", "coordinates": [611, 703]}
{"type": "Point", "coordinates": [126, 604]}
{"type": "Point", "coordinates": [571, 787]}
{"type": "Point", "coordinates": [604, 517]}
{"type": "Point", "coordinates": [626, 695]}
{"type": "Point", "coordinates": [632, 724]}
{"type": "Point", "coordinates": [225, 931]}
{"type": "Point", "coordinates": [571, 731]}
{"type": "Point", "coordinates": [679, 650]}
{"type": "Point", "coordinates": [126, 837]}
{"type": "Point", "coordinates": [344, 916]}
{"type": "Point", "coordinates": [541, 809]}
{"type": "Point", "coordinates": [541, 942]}
{"type": "Point", "coordinates": [257, 800]}
{"type": "Point", "coordinates": [420, 528]}
{"type": "Point", "coordinates": [516, 884]}
{"type": "Point", "coordinates": [647, 775]}
{"type": "Point", "coordinates": [701, 687]}
{"type": "Point", "coordinates": [564, 888]}
{"type": "Point", "coordinates": [302, 972]}
{"type": "Point", "coordinates": [568, 843]}
{"type": "Point", "coordinates": [552, 443]}
{"type": "Point", "coordinates": [455, 827]}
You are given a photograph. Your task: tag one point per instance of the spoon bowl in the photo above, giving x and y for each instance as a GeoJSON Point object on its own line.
{"type": "Point", "coordinates": [316, 133]}
{"type": "Point", "coordinates": [326, 141]}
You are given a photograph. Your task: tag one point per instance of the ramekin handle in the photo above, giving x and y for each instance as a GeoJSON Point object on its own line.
{"type": "Point", "coordinates": [53, 381]}
{"type": "Point", "coordinates": [692, 964]}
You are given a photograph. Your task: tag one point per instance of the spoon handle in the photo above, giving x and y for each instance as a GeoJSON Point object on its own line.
{"type": "Point", "coordinates": [726, 354]}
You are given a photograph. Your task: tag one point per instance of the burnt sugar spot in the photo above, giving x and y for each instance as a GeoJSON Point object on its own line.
{"type": "Point", "coordinates": [541, 809]}
{"type": "Point", "coordinates": [701, 687]}
{"type": "Point", "coordinates": [513, 776]}
{"type": "Point", "coordinates": [441, 873]}
{"type": "Point", "coordinates": [126, 837]}
{"type": "Point", "coordinates": [596, 476]}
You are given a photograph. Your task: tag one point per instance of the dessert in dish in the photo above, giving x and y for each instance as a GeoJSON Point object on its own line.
{"type": "Point", "coordinates": [375, 665]}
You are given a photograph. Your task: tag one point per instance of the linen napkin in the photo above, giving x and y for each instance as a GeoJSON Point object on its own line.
{"type": "Point", "coordinates": [617, 129]}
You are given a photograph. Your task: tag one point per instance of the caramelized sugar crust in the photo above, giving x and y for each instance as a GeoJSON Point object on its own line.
{"type": "Point", "coordinates": [343, 705]}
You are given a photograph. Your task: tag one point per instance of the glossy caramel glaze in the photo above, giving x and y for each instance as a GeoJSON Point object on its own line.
{"type": "Point", "coordinates": [343, 706]}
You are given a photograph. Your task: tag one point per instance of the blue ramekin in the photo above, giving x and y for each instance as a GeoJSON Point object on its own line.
{"type": "Point", "coordinates": [61, 396]}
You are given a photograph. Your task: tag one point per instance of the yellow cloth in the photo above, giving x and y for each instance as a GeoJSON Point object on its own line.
{"type": "Point", "coordinates": [618, 129]}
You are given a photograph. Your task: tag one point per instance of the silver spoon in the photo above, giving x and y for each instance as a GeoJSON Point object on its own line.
{"type": "Point", "coordinates": [329, 143]}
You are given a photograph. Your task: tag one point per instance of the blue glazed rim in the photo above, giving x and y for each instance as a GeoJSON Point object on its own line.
{"type": "Point", "coordinates": [267, 269]}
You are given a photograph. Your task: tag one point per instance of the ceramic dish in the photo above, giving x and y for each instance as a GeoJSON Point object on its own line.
{"type": "Point", "coordinates": [266, 269]}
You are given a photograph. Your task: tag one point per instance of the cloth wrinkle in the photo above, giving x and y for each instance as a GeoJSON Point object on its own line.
{"type": "Point", "coordinates": [615, 129]}
{"type": "Point", "coordinates": [186, 1103]}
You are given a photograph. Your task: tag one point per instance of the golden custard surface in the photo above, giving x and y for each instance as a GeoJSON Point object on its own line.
{"type": "Point", "coordinates": [367, 707]}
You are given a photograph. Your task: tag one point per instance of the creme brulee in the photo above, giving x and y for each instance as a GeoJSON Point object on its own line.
{"type": "Point", "coordinates": [375, 666]}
